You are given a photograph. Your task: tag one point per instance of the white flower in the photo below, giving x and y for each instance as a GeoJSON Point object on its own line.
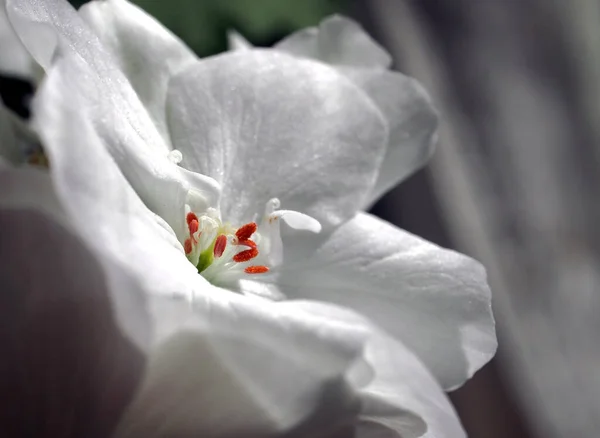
{"type": "Point", "coordinates": [156, 154]}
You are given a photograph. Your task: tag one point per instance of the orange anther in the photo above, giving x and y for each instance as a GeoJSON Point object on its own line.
{"type": "Point", "coordinates": [191, 217]}
{"type": "Point", "coordinates": [193, 226]}
{"type": "Point", "coordinates": [220, 245]}
{"type": "Point", "coordinates": [187, 246]}
{"type": "Point", "coordinates": [249, 243]}
{"type": "Point", "coordinates": [245, 255]}
{"type": "Point", "coordinates": [256, 270]}
{"type": "Point", "coordinates": [245, 231]}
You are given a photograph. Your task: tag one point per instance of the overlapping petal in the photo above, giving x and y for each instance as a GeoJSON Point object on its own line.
{"type": "Point", "coordinates": [109, 104]}
{"type": "Point", "coordinates": [435, 301]}
{"type": "Point", "coordinates": [144, 50]}
{"type": "Point", "coordinates": [205, 378]}
{"type": "Point", "coordinates": [14, 58]}
{"type": "Point", "coordinates": [337, 41]}
{"type": "Point", "coordinates": [266, 125]}
{"type": "Point", "coordinates": [401, 387]}
{"type": "Point", "coordinates": [256, 341]}
{"type": "Point", "coordinates": [405, 105]}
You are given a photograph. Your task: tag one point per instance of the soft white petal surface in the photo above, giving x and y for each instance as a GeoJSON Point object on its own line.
{"type": "Point", "coordinates": [107, 101]}
{"type": "Point", "coordinates": [145, 51]}
{"type": "Point", "coordinates": [14, 58]}
{"type": "Point", "coordinates": [402, 101]}
{"type": "Point", "coordinates": [266, 125]}
{"type": "Point", "coordinates": [300, 353]}
{"type": "Point", "coordinates": [435, 301]}
{"type": "Point", "coordinates": [412, 122]}
{"type": "Point", "coordinates": [66, 369]}
{"type": "Point", "coordinates": [337, 41]}
{"type": "Point", "coordinates": [402, 387]}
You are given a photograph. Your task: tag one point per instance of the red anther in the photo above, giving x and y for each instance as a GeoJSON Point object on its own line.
{"type": "Point", "coordinates": [193, 226]}
{"type": "Point", "coordinates": [249, 243]}
{"type": "Point", "coordinates": [245, 231]}
{"type": "Point", "coordinates": [187, 246]}
{"type": "Point", "coordinates": [191, 217]}
{"type": "Point", "coordinates": [256, 270]}
{"type": "Point", "coordinates": [245, 255]}
{"type": "Point", "coordinates": [220, 245]}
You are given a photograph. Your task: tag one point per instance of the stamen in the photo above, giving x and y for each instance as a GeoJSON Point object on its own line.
{"type": "Point", "coordinates": [249, 243]}
{"type": "Point", "coordinates": [220, 245]}
{"type": "Point", "coordinates": [245, 255]}
{"type": "Point", "coordinates": [246, 231]}
{"type": "Point", "coordinates": [187, 246]}
{"type": "Point", "coordinates": [256, 270]}
{"type": "Point", "coordinates": [191, 217]}
{"type": "Point", "coordinates": [193, 226]}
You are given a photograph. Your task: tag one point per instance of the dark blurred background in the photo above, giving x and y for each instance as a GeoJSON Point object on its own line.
{"type": "Point", "coordinates": [514, 182]}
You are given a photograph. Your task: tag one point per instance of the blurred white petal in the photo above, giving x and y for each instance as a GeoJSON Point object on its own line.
{"type": "Point", "coordinates": [15, 60]}
{"type": "Point", "coordinates": [338, 41]}
{"type": "Point", "coordinates": [66, 369]}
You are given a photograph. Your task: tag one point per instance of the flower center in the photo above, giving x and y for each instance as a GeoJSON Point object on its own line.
{"type": "Point", "coordinates": [223, 253]}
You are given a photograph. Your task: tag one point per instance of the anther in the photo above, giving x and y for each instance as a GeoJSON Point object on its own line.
{"type": "Point", "coordinates": [249, 243]}
{"type": "Point", "coordinates": [187, 246]}
{"type": "Point", "coordinates": [245, 231]}
{"type": "Point", "coordinates": [193, 226]}
{"type": "Point", "coordinates": [245, 255]}
{"type": "Point", "coordinates": [191, 217]}
{"type": "Point", "coordinates": [256, 270]}
{"type": "Point", "coordinates": [220, 245]}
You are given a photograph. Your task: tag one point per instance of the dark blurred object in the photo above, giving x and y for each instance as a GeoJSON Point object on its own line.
{"type": "Point", "coordinates": [16, 94]}
{"type": "Point", "coordinates": [517, 178]}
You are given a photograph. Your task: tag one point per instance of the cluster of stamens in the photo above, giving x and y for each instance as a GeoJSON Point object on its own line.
{"type": "Point", "coordinates": [223, 248]}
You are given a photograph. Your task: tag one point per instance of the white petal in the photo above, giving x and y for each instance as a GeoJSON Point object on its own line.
{"type": "Point", "coordinates": [403, 399]}
{"type": "Point", "coordinates": [435, 301]}
{"type": "Point", "coordinates": [14, 58]}
{"type": "Point", "coordinates": [402, 101]}
{"type": "Point", "coordinates": [66, 367]}
{"type": "Point", "coordinates": [237, 42]}
{"type": "Point", "coordinates": [338, 41]}
{"type": "Point", "coordinates": [144, 50]}
{"type": "Point", "coordinates": [412, 122]}
{"type": "Point", "coordinates": [242, 380]}
{"type": "Point", "coordinates": [267, 125]}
